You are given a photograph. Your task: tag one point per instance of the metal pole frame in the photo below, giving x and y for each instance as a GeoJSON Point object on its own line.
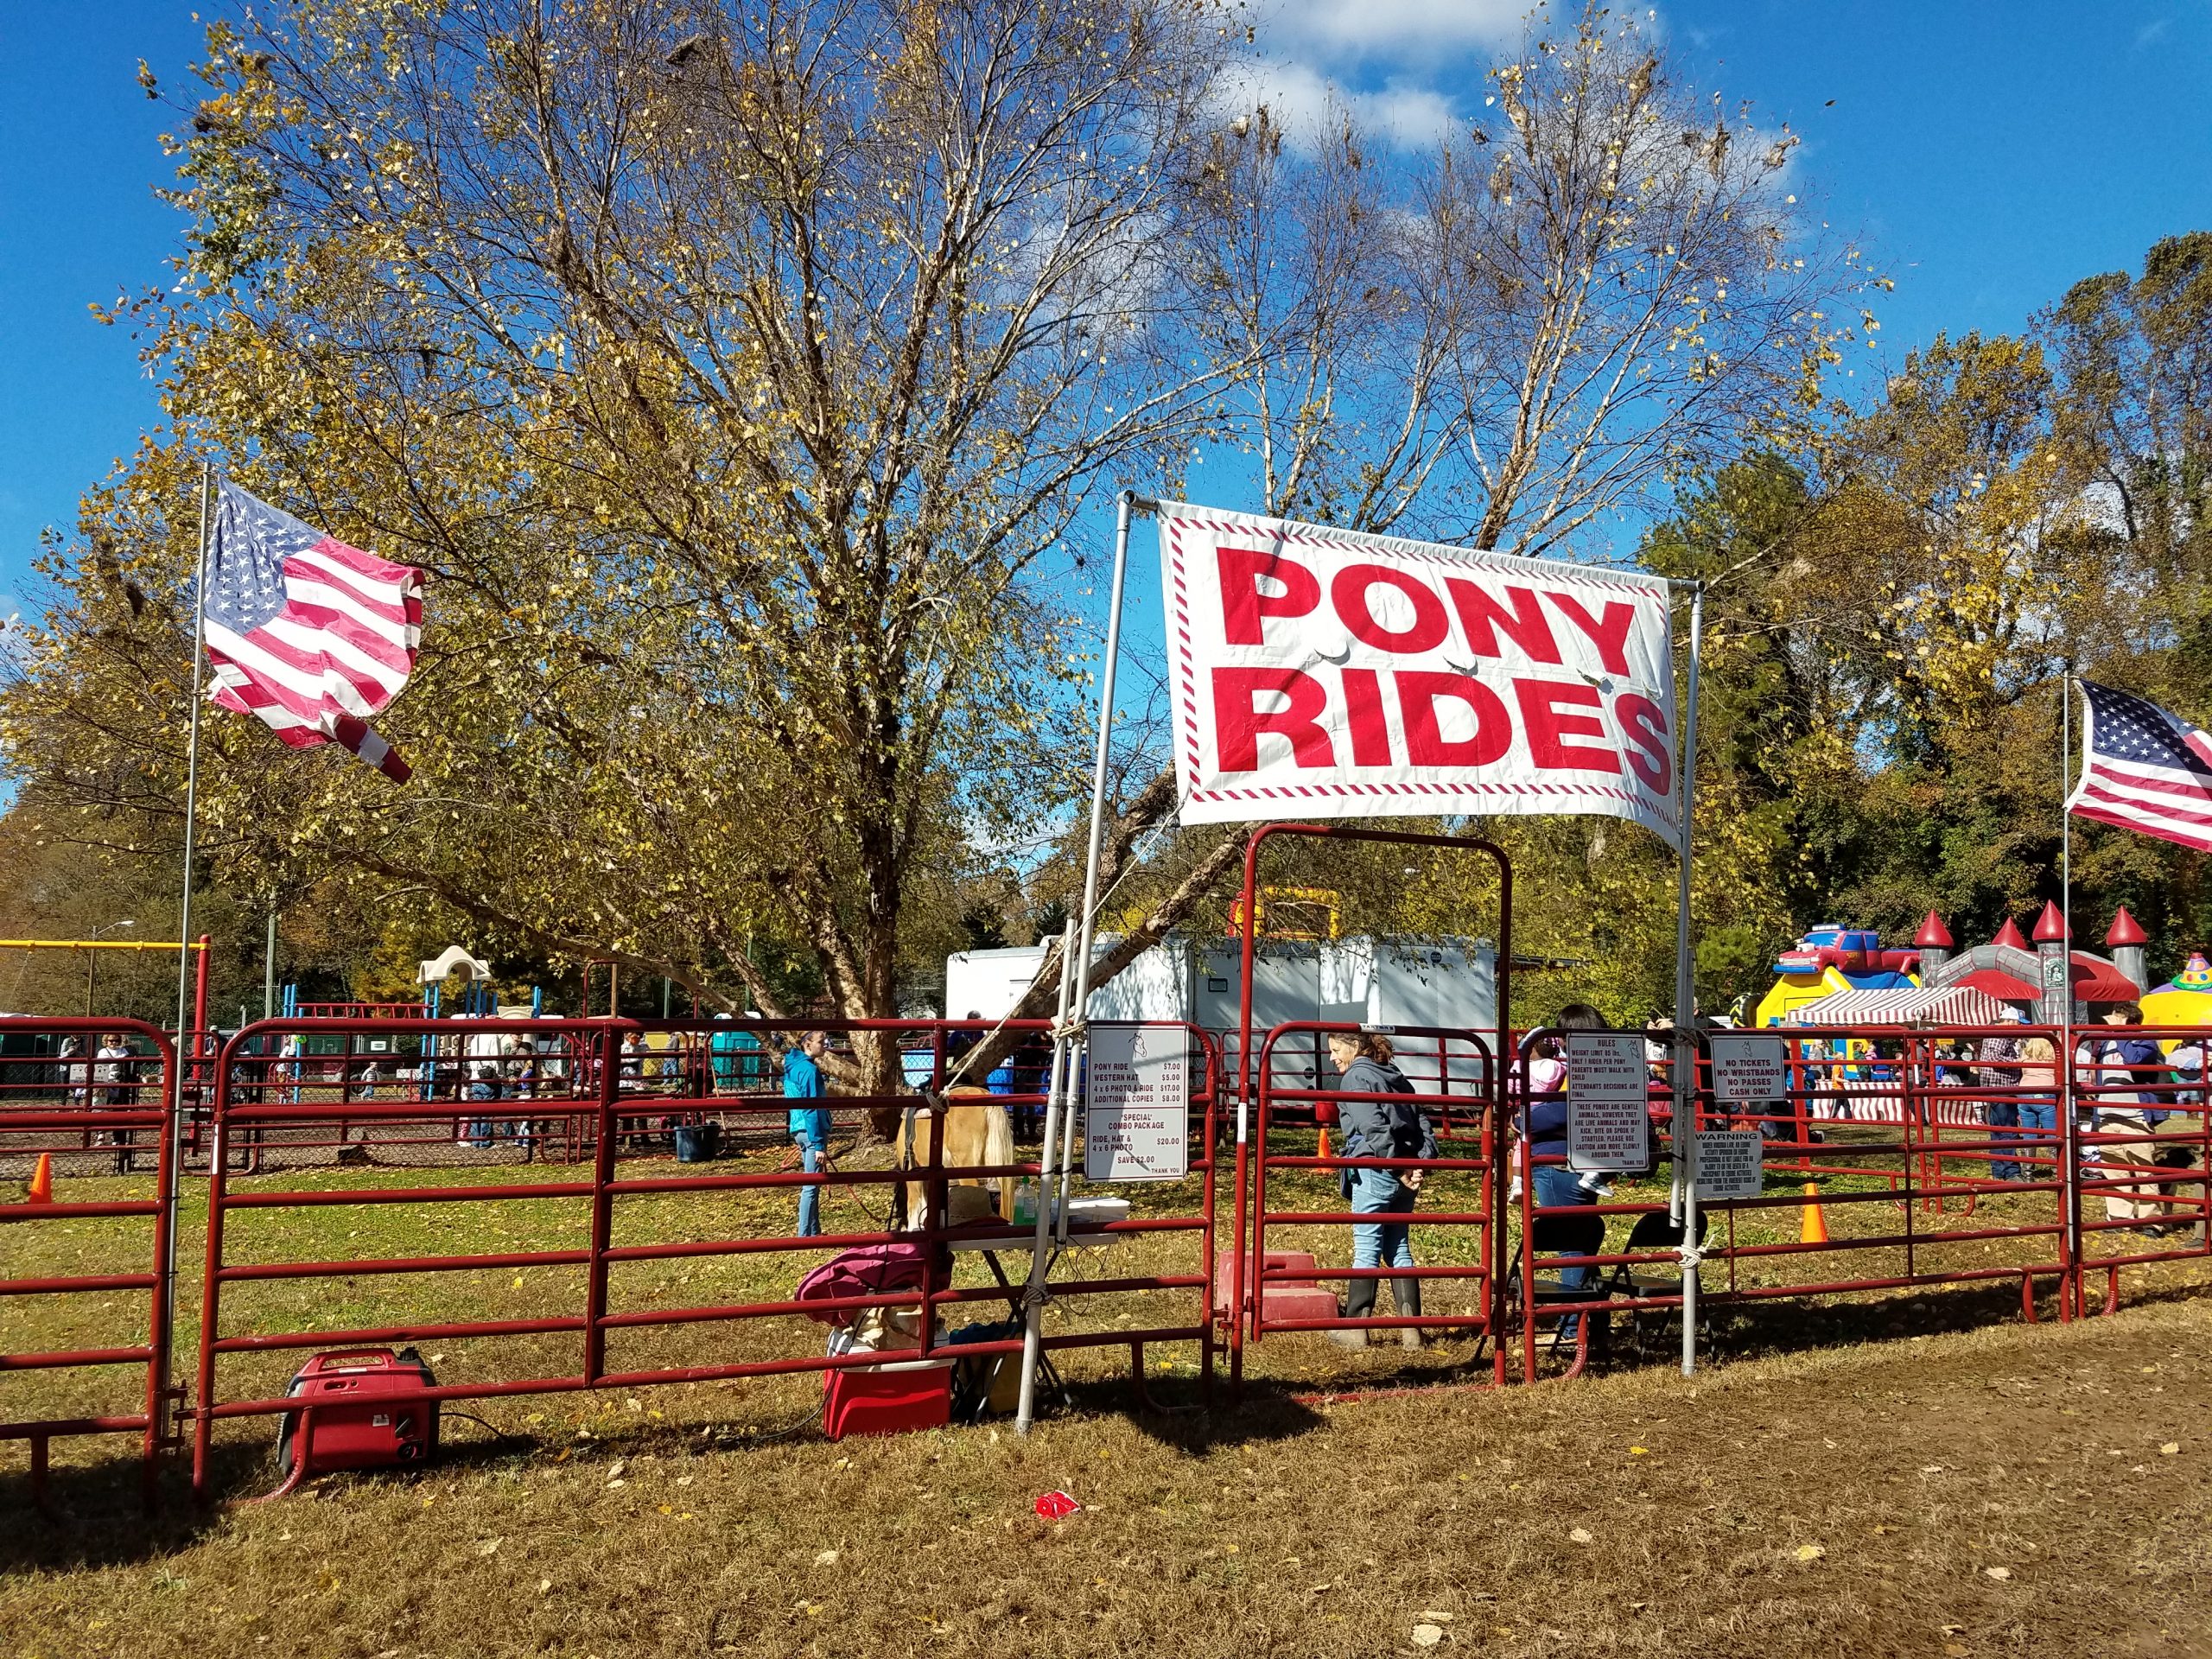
{"type": "Point", "coordinates": [1058, 1104]}
{"type": "Point", "coordinates": [1685, 1035]}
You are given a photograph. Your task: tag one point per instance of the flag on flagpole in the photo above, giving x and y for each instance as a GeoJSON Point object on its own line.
{"type": "Point", "coordinates": [2144, 769]}
{"type": "Point", "coordinates": [309, 635]}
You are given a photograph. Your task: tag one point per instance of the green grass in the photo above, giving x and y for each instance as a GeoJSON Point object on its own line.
{"type": "Point", "coordinates": [1855, 1205]}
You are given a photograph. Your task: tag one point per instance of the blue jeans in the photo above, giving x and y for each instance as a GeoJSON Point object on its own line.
{"type": "Point", "coordinates": [809, 1196]}
{"type": "Point", "coordinates": [2004, 1114]}
{"type": "Point", "coordinates": [2041, 1115]}
{"type": "Point", "coordinates": [1558, 1185]}
{"type": "Point", "coordinates": [479, 1129]}
{"type": "Point", "coordinates": [1386, 1243]}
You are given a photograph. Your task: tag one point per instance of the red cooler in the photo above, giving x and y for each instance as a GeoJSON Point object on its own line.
{"type": "Point", "coordinates": [888, 1399]}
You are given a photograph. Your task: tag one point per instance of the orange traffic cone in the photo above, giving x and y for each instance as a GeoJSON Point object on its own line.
{"type": "Point", "coordinates": [41, 1186]}
{"type": "Point", "coordinates": [1325, 1140]}
{"type": "Point", "coordinates": [1812, 1225]}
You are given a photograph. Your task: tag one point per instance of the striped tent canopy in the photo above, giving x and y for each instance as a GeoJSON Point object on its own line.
{"type": "Point", "coordinates": [1908, 1005]}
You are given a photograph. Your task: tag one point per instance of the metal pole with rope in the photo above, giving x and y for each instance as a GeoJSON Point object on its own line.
{"type": "Point", "coordinates": [1686, 1007]}
{"type": "Point", "coordinates": [2070, 1135]}
{"type": "Point", "coordinates": [1067, 1034]}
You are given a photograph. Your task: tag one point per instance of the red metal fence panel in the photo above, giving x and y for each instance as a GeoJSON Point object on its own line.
{"type": "Point", "coordinates": [2144, 1138]}
{"type": "Point", "coordinates": [625, 1210]}
{"type": "Point", "coordinates": [107, 1105]}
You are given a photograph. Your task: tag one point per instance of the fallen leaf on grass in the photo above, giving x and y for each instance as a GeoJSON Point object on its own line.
{"type": "Point", "coordinates": [1430, 1615]}
{"type": "Point", "coordinates": [2001, 1573]}
{"type": "Point", "coordinates": [2171, 1448]}
{"type": "Point", "coordinates": [827, 1558]}
{"type": "Point", "coordinates": [1427, 1635]}
{"type": "Point", "coordinates": [1810, 1552]}
{"type": "Point", "coordinates": [1639, 1452]}
{"type": "Point", "coordinates": [1580, 1535]}
{"type": "Point", "coordinates": [491, 1548]}
{"type": "Point", "coordinates": [544, 1586]}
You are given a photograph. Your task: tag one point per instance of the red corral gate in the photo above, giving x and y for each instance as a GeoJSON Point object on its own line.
{"type": "Point", "coordinates": [108, 1109]}
{"type": "Point", "coordinates": [1452, 1088]}
{"type": "Point", "coordinates": [1474, 1131]}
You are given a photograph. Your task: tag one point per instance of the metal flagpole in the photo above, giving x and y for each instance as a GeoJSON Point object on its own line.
{"type": "Point", "coordinates": [1686, 1010]}
{"type": "Point", "coordinates": [1059, 1104]}
{"type": "Point", "coordinates": [2072, 1179]}
{"type": "Point", "coordinates": [187, 1041]}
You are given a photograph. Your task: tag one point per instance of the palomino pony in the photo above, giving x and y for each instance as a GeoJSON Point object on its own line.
{"type": "Point", "coordinates": [973, 1131]}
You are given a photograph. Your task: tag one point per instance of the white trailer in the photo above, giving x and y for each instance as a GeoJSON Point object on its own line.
{"type": "Point", "coordinates": [1365, 979]}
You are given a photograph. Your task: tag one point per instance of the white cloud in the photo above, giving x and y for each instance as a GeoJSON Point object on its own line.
{"type": "Point", "coordinates": [1302, 102]}
{"type": "Point", "coordinates": [1386, 26]}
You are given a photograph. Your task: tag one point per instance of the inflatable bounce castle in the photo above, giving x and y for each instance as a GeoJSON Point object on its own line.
{"type": "Point", "coordinates": [1843, 976]}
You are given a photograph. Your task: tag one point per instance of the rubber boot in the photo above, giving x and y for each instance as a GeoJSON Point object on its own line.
{"type": "Point", "coordinates": [1359, 1304]}
{"type": "Point", "coordinates": [1406, 1293]}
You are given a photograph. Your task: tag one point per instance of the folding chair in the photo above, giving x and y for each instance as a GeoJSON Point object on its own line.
{"type": "Point", "coordinates": [1578, 1232]}
{"type": "Point", "coordinates": [1657, 1231]}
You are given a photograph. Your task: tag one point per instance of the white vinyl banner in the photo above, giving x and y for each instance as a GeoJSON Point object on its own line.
{"type": "Point", "coordinates": [1321, 673]}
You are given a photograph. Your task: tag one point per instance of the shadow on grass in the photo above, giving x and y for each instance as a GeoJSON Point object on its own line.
{"type": "Point", "coordinates": [1182, 1416]}
{"type": "Point", "coordinates": [1770, 1329]}
{"type": "Point", "coordinates": [95, 1515]}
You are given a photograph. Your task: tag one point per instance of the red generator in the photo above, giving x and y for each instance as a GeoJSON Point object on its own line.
{"type": "Point", "coordinates": [351, 1426]}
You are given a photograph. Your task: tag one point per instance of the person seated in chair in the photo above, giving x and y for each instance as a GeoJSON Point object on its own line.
{"type": "Point", "coordinates": [1542, 1128]}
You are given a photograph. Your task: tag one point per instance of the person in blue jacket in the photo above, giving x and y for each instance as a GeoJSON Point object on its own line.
{"type": "Point", "coordinates": [809, 1124]}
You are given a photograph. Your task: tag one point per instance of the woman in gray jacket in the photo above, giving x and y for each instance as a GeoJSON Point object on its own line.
{"type": "Point", "coordinates": [1379, 1127]}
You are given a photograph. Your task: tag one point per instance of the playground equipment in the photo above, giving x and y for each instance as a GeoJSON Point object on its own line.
{"type": "Point", "coordinates": [199, 963]}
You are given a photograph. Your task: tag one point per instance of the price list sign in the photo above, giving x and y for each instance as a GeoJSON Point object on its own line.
{"type": "Point", "coordinates": [1608, 1123]}
{"type": "Point", "coordinates": [1136, 1122]}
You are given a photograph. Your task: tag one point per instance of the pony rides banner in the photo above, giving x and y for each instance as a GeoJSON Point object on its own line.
{"type": "Point", "coordinates": [1322, 673]}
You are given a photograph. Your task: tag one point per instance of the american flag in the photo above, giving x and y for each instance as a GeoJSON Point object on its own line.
{"type": "Point", "coordinates": [2144, 769]}
{"type": "Point", "coordinates": [306, 633]}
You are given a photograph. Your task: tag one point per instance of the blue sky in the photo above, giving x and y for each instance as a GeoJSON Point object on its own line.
{"type": "Point", "coordinates": [1987, 154]}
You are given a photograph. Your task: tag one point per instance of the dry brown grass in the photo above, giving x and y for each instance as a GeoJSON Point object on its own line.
{"type": "Point", "coordinates": [2005, 1491]}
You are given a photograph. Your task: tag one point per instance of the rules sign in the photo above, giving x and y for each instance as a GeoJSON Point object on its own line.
{"type": "Point", "coordinates": [1136, 1123]}
{"type": "Point", "coordinates": [1608, 1123]}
